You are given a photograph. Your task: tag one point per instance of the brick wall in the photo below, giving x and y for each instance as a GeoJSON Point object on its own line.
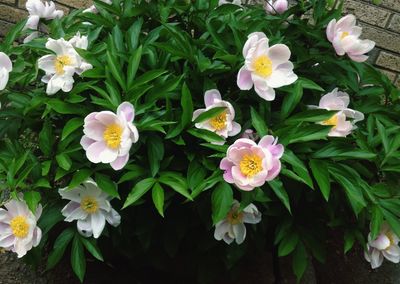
{"type": "Point", "coordinates": [380, 23]}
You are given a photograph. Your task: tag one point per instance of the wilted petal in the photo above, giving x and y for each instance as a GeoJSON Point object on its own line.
{"type": "Point", "coordinates": [239, 231]}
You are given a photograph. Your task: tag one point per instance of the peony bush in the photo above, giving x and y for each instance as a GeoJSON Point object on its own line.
{"type": "Point", "coordinates": [195, 134]}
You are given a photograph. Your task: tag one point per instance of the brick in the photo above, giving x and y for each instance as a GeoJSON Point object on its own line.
{"type": "Point", "coordinates": [4, 27]}
{"type": "Point", "coordinates": [389, 60]}
{"type": "Point", "coordinates": [384, 39]}
{"type": "Point", "coordinates": [392, 4]}
{"type": "Point", "coordinates": [397, 83]}
{"type": "Point", "coordinates": [373, 15]}
{"type": "Point", "coordinates": [12, 2]}
{"type": "Point", "coordinates": [76, 3]}
{"type": "Point", "coordinates": [391, 75]}
{"type": "Point", "coordinates": [11, 14]}
{"type": "Point", "coordinates": [394, 24]}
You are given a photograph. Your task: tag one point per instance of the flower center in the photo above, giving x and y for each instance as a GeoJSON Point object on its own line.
{"type": "Point", "coordinates": [112, 136]}
{"type": "Point", "coordinates": [234, 217]}
{"type": "Point", "coordinates": [19, 226]}
{"type": "Point", "coordinates": [250, 165]}
{"type": "Point", "coordinates": [61, 62]}
{"type": "Point", "coordinates": [89, 205]}
{"type": "Point", "coordinates": [219, 121]}
{"type": "Point", "coordinates": [262, 66]}
{"type": "Point", "coordinates": [344, 34]}
{"type": "Point", "coordinates": [331, 121]}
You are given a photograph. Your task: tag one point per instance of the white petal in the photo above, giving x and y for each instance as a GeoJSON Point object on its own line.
{"type": "Point", "coordinates": [98, 222]}
{"type": "Point", "coordinates": [240, 232]}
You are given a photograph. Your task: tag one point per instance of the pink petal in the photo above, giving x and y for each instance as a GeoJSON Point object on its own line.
{"type": "Point", "coordinates": [210, 96]}
{"type": "Point", "coordinates": [281, 6]}
{"type": "Point", "coordinates": [107, 117]}
{"type": "Point", "coordinates": [244, 79]}
{"type": "Point", "coordinates": [120, 162]}
{"type": "Point", "coordinates": [346, 23]}
{"type": "Point", "coordinates": [94, 150]}
{"type": "Point", "coordinates": [5, 62]}
{"type": "Point", "coordinates": [358, 58]}
{"type": "Point", "coordinates": [86, 142]}
{"type": "Point", "coordinates": [275, 170]}
{"type": "Point", "coordinates": [197, 112]}
{"type": "Point", "coordinates": [235, 129]}
{"type": "Point", "coordinates": [94, 130]}
{"type": "Point", "coordinates": [279, 53]}
{"type": "Point", "coordinates": [126, 110]}
{"type": "Point", "coordinates": [330, 30]}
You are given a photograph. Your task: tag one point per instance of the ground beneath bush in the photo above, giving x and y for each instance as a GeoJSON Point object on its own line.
{"type": "Point", "coordinates": [338, 269]}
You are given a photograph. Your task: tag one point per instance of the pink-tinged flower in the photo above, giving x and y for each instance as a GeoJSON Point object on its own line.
{"type": "Point", "coordinates": [339, 101]}
{"type": "Point", "coordinates": [232, 227]}
{"type": "Point", "coordinates": [265, 67]}
{"type": "Point", "coordinates": [250, 134]}
{"type": "Point", "coordinates": [344, 35]}
{"type": "Point", "coordinates": [109, 136]}
{"type": "Point", "coordinates": [5, 69]}
{"type": "Point", "coordinates": [384, 246]}
{"type": "Point", "coordinates": [18, 229]}
{"type": "Point", "coordinates": [222, 124]}
{"type": "Point", "coordinates": [92, 9]}
{"type": "Point", "coordinates": [91, 207]}
{"type": "Point", "coordinates": [277, 6]}
{"type": "Point", "coordinates": [249, 165]}
{"type": "Point", "coordinates": [234, 2]}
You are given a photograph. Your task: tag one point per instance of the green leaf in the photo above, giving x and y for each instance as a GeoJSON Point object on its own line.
{"type": "Point", "coordinates": [393, 221]}
{"type": "Point", "coordinates": [298, 166]}
{"type": "Point", "coordinates": [280, 192]}
{"type": "Point", "coordinates": [107, 185]}
{"type": "Point", "coordinates": [196, 174]}
{"type": "Point", "coordinates": [291, 100]}
{"type": "Point", "coordinates": [343, 150]}
{"type": "Point", "coordinates": [349, 239]}
{"type": "Point", "coordinates": [91, 246]}
{"type": "Point", "coordinates": [32, 199]}
{"type": "Point", "coordinates": [299, 261]}
{"type": "Point", "coordinates": [383, 135]}
{"type": "Point", "coordinates": [187, 106]}
{"type": "Point", "coordinates": [320, 172]}
{"type": "Point", "coordinates": [78, 260]}
{"type": "Point", "coordinates": [211, 113]}
{"type": "Point", "coordinates": [64, 161]}
{"type": "Point", "coordinates": [155, 153]}
{"type": "Point", "coordinates": [46, 138]}
{"type": "Point", "coordinates": [311, 115]}
{"type": "Point", "coordinates": [308, 133]}
{"type": "Point", "coordinates": [59, 247]}
{"type": "Point", "coordinates": [133, 65]}
{"type": "Point", "coordinates": [50, 217]}
{"type": "Point", "coordinates": [288, 244]}
{"type": "Point", "coordinates": [221, 201]}
{"type": "Point", "coordinates": [157, 194]}
{"type": "Point", "coordinates": [258, 123]}
{"type": "Point", "coordinates": [79, 177]}
{"type": "Point", "coordinates": [376, 221]}
{"type": "Point", "coordinates": [70, 127]}
{"type": "Point", "coordinates": [138, 191]}
{"type": "Point", "coordinates": [206, 135]}
{"type": "Point", "coordinates": [311, 85]}
{"type": "Point", "coordinates": [177, 182]}
{"type": "Point", "coordinates": [115, 69]}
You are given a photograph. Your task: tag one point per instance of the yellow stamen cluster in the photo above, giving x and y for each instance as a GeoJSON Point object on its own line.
{"type": "Point", "coordinates": [89, 205]}
{"type": "Point", "coordinates": [250, 165]}
{"type": "Point", "coordinates": [219, 121]}
{"type": "Point", "coordinates": [331, 121]}
{"type": "Point", "coordinates": [19, 226]}
{"type": "Point", "coordinates": [262, 66]}
{"type": "Point", "coordinates": [60, 62]}
{"type": "Point", "coordinates": [234, 217]}
{"type": "Point", "coordinates": [344, 34]}
{"type": "Point", "coordinates": [113, 135]}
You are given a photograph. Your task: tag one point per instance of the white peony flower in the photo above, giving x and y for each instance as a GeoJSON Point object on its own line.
{"type": "Point", "coordinates": [93, 9]}
{"type": "Point", "coordinates": [384, 246]}
{"type": "Point", "coordinates": [266, 67]}
{"type": "Point", "coordinates": [232, 227]}
{"type": "Point", "coordinates": [91, 207]}
{"type": "Point", "coordinates": [39, 10]}
{"type": "Point", "coordinates": [339, 101]}
{"type": "Point", "coordinates": [222, 124]}
{"type": "Point", "coordinates": [5, 69]}
{"type": "Point", "coordinates": [18, 229]}
{"type": "Point", "coordinates": [61, 67]}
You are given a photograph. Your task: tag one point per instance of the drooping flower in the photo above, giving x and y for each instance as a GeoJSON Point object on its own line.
{"type": "Point", "coordinates": [234, 2]}
{"type": "Point", "coordinates": [344, 35]}
{"type": "Point", "coordinates": [232, 227]}
{"type": "Point", "coordinates": [384, 246]}
{"type": "Point", "coordinates": [265, 67]}
{"type": "Point", "coordinates": [18, 229]}
{"type": "Point", "coordinates": [277, 6]}
{"type": "Point", "coordinates": [93, 9]}
{"type": "Point", "coordinates": [249, 165]}
{"type": "Point", "coordinates": [61, 67]}
{"type": "Point", "coordinates": [339, 101]}
{"type": "Point", "coordinates": [5, 69]}
{"type": "Point", "coordinates": [109, 136]}
{"type": "Point", "coordinates": [223, 123]}
{"type": "Point", "coordinates": [39, 10]}
{"type": "Point", "coordinates": [91, 207]}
